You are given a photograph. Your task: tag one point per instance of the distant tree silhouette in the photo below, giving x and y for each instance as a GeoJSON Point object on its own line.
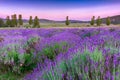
{"type": "Point", "coordinates": [108, 21]}
{"type": "Point", "coordinates": [67, 21]}
{"type": "Point", "coordinates": [20, 21]}
{"type": "Point", "coordinates": [1, 23]}
{"type": "Point", "coordinates": [30, 21]}
{"type": "Point", "coordinates": [36, 22]}
{"type": "Point", "coordinates": [92, 20]}
{"type": "Point", "coordinates": [98, 21]}
{"type": "Point", "coordinates": [8, 22]}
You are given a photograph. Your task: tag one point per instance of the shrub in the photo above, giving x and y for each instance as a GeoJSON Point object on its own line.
{"type": "Point", "coordinates": [51, 51]}
{"type": "Point", "coordinates": [83, 66]}
{"type": "Point", "coordinates": [16, 62]}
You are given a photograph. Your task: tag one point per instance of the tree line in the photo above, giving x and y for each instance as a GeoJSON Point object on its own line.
{"type": "Point", "coordinates": [18, 22]}
{"type": "Point", "coordinates": [98, 21]}
{"type": "Point", "coordinates": [13, 21]}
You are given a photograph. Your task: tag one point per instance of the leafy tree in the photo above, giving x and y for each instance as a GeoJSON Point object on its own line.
{"type": "Point", "coordinates": [1, 23]}
{"type": "Point", "coordinates": [92, 20]}
{"type": "Point", "coordinates": [108, 21]}
{"type": "Point", "coordinates": [67, 21]}
{"type": "Point", "coordinates": [20, 21]}
{"type": "Point", "coordinates": [36, 22]}
{"type": "Point", "coordinates": [14, 20]}
{"type": "Point", "coordinates": [8, 22]}
{"type": "Point", "coordinates": [98, 21]}
{"type": "Point", "coordinates": [30, 21]}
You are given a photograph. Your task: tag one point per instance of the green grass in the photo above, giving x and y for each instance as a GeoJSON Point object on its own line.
{"type": "Point", "coordinates": [62, 25]}
{"type": "Point", "coordinates": [10, 76]}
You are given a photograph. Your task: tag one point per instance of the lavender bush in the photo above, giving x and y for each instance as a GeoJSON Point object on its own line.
{"type": "Point", "coordinates": [61, 54]}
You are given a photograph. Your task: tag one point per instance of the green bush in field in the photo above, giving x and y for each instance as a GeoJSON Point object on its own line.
{"type": "Point", "coordinates": [51, 51]}
{"type": "Point", "coordinates": [71, 69]}
{"type": "Point", "coordinates": [18, 62]}
{"type": "Point", "coordinates": [67, 21]}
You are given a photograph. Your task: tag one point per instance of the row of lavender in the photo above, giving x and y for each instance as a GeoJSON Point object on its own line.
{"type": "Point", "coordinates": [61, 54]}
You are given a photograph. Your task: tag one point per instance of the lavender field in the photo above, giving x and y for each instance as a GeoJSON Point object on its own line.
{"type": "Point", "coordinates": [60, 54]}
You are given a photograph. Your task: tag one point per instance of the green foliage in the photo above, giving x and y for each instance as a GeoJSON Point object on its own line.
{"type": "Point", "coordinates": [20, 20]}
{"type": "Point", "coordinates": [75, 66]}
{"type": "Point", "coordinates": [27, 26]}
{"type": "Point", "coordinates": [51, 51]}
{"type": "Point", "coordinates": [98, 21]}
{"type": "Point", "coordinates": [108, 21]}
{"type": "Point", "coordinates": [16, 62]}
{"type": "Point", "coordinates": [1, 23]}
{"type": "Point", "coordinates": [67, 21]}
{"type": "Point", "coordinates": [87, 35]}
{"type": "Point", "coordinates": [31, 42]}
{"type": "Point", "coordinates": [36, 22]}
{"type": "Point", "coordinates": [30, 21]}
{"type": "Point", "coordinates": [8, 22]}
{"type": "Point", "coordinates": [92, 21]}
{"type": "Point", "coordinates": [14, 21]}
{"type": "Point", "coordinates": [96, 55]}
{"type": "Point", "coordinates": [10, 76]}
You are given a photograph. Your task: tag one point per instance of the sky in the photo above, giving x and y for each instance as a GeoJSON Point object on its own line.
{"type": "Point", "coordinates": [59, 9]}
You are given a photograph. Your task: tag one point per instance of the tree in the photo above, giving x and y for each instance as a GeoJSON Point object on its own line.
{"type": "Point", "coordinates": [98, 21]}
{"type": "Point", "coordinates": [30, 21]}
{"type": "Point", "coordinates": [20, 21]}
{"type": "Point", "coordinates": [14, 20]}
{"type": "Point", "coordinates": [1, 23]}
{"type": "Point", "coordinates": [8, 22]}
{"type": "Point", "coordinates": [108, 21]}
{"type": "Point", "coordinates": [92, 20]}
{"type": "Point", "coordinates": [36, 22]}
{"type": "Point", "coordinates": [67, 21]}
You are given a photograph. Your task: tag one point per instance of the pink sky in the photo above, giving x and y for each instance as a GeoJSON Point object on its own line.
{"type": "Point", "coordinates": [53, 14]}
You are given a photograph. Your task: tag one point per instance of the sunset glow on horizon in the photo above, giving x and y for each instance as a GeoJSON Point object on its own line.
{"type": "Point", "coordinates": [83, 12]}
